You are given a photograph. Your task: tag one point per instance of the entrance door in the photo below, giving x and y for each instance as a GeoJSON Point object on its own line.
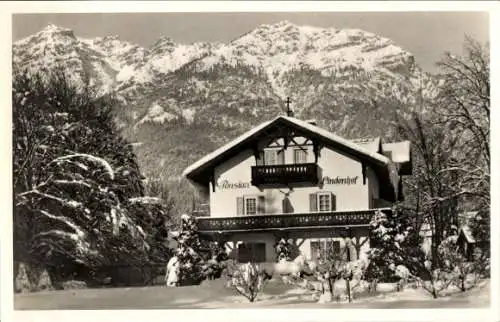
{"type": "Point", "coordinates": [255, 252]}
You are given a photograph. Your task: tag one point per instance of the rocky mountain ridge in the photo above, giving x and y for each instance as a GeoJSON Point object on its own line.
{"type": "Point", "coordinates": [181, 101]}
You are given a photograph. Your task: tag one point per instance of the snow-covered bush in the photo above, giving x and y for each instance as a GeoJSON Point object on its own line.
{"type": "Point", "coordinates": [393, 242]}
{"type": "Point", "coordinates": [331, 268]}
{"type": "Point", "coordinates": [436, 280]}
{"type": "Point", "coordinates": [247, 281]}
{"type": "Point", "coordinates": [187, 252]}
{"type": "Point", "coordinates": [282, 250]}
{"type": "Point", "coordinates": [397, 254]}
{"type": "Point", "coordinates": [353, 273]}
{"type": "Point", "coordinates": [463, 273]}
{"type": "Point", "coordinates": [216, 263]}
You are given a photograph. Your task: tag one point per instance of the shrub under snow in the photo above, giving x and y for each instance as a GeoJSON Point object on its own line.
{"type": "Point", "coordinates": [247, 281]}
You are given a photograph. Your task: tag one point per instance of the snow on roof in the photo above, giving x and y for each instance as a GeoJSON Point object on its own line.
{"type": "Point", "coordinates": [333, 137]}
{"type": "Point", "coordinates": [400, 151]}
{"type": "Point", "coordinates": [303, 124]}
{"type": "Point", "coordinates": [226, 147]}
{"type": "Point", "coordinates": [371, 144]}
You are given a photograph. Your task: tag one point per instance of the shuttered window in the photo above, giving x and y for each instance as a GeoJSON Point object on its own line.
{"type": "Point", "coordinates": [250, 205]}
{"type": "Point", "coordinates": [322, 202]}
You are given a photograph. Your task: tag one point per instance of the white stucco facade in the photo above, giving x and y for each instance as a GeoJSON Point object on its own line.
{"type": "Point", "coordinates": [349, 182]}
{"type": "Point", "coordinates": [341, 175]}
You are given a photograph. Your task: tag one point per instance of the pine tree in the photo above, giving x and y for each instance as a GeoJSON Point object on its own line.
{"type": "Point", "coordinates": [190, 270]}
{"type": "Point", "coordinates": [74, 177]}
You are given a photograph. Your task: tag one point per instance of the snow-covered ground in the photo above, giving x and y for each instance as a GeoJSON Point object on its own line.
{"type": "Point", "coordinates": [214, 294]}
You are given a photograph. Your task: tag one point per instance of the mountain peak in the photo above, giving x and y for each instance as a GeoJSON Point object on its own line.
{"type": "Point", "coordinates": [284, 23]}
{"type": "Point", "coordinates": [52, 29]}
{"type": "Point", "coordinates": [164, 40]}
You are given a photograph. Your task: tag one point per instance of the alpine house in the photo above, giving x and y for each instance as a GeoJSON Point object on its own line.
{"type": "Point", "coordinates": [290, 179]}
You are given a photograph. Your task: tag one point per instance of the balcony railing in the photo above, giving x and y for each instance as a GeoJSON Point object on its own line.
{"type": "Point", "coordinates": [287, 221]}
{"type": "Point", "coordinates": [285, 174]}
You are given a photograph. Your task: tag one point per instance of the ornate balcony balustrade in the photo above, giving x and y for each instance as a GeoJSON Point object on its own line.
{"type": "Point", "coordinates": [285, 174]}
{"type": "Point", "coordinates": [287, 221]}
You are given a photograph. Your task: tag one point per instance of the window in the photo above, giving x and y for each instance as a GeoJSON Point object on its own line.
{"type": "Point", "coordinates": [299, 156]}
{"type": "Point", "coordinates": [274, 157]}
{"type": "Point", "coordinates": [322, 249]}
{"type": "Point", "coordinates": [315, 250]}
{"type": "Point", "coordinates": [251, 206]}
{"type": "Point", "coordinates": [324, 202]}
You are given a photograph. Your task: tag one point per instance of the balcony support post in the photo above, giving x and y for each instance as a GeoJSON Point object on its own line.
{"type": "Point", "coordinates": [316, 150]}
{"type": "Point", "coordinates": [212, 181]}
{"type": "Point", "coordinates": [256, 153]}
{"type": "Point", "coordinates": [363, 171]}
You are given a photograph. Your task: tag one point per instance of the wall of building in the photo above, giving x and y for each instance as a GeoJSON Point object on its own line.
{"type": "Point", "coordinates": [234, 180]}
{"type": "Point", "coordinates": [265, 237]}
{"type": "Point", "coordinates": [304, 238]}
{"type": "Point", "coordinates": [301, 241]}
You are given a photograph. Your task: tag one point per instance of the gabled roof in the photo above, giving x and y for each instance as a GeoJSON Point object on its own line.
{"type": "Point", "coordinates": [233, 147]}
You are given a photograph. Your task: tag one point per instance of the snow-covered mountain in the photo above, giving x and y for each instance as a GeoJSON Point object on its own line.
{"type": "Point", "coordinates": [179, 101]}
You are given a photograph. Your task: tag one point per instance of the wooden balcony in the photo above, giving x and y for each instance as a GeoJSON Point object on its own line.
{"type": "Point", "coordinates": [285, 174]}
{"type": "Point", "coordinates": [287, 221]}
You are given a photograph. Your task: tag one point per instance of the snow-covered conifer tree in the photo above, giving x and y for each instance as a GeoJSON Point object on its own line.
{"type": "Point", "coordinates": [187, 252]}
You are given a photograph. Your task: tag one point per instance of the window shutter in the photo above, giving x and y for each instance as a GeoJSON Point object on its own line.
{"type": "Point", "coordinates": [240, 206]}
{"type": "Point", "coordinates": [313, 202]}
{"type": "Point", "coordinates": [334, 202]}
{"type": "Point", "coordinates": [261, 205]}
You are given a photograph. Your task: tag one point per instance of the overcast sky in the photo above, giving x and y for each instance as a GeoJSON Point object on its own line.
{"type": "Point", "coordinates": [427, 35]}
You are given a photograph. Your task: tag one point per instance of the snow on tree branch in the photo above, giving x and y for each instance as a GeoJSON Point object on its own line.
{"type": "Point", "coordinates": [91, 158]}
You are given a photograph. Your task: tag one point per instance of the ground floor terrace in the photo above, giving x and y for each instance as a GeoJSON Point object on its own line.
{"type": "Point", "coordinates": [313, 235]}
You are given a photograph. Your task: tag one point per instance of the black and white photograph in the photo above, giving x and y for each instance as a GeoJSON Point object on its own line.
{"type": "Point", "coordinates": [247, 160]}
